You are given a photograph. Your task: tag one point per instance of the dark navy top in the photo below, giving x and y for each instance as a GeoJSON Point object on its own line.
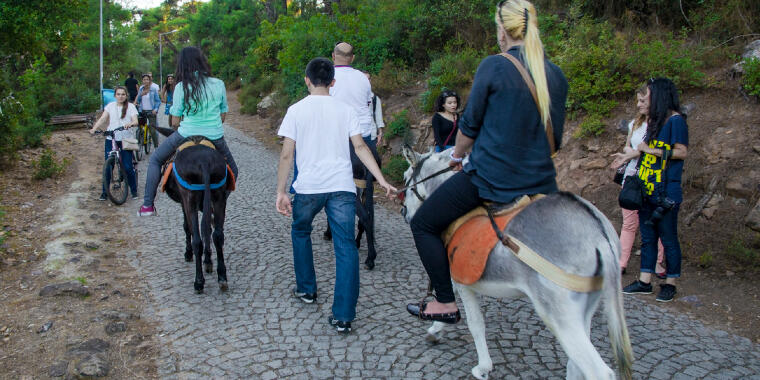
{"type": "Point", "coordinates": [511, 155]}
{"type": "Point", "coordinates": [675, 131]}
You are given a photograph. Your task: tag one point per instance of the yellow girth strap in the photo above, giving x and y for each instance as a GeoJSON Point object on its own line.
{"type": "Point", "coordinates": [555, 274]}
{"type": "Point", "coordinates": [190, 143]}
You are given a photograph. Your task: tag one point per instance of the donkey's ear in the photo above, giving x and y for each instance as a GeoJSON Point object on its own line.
{"type": "Point", "coordinates": [411, 156]}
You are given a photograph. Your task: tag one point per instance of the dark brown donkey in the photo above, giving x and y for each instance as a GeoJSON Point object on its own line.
{"type": "Point", "coordinates": [199, 182]}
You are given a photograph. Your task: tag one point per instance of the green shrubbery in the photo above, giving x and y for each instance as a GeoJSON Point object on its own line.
{"type": "Point", "coordinates": [751, 77]}
{"type": "Point", "coordinates": [451, 71]}
{"type": "Point", "coordinates": [399, 125]}
{"type": "Point", "coordinates": [48, 166]}
{"type": "Point", "coordinates": [394, 169]}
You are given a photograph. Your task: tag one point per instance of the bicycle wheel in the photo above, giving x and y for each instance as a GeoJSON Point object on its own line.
{"type": "Point", "coordinates": [138, 136]}
{"type": "Point", "coordinates": [148, 141]}
{"type": "Point", "coordinates": [117, 189]}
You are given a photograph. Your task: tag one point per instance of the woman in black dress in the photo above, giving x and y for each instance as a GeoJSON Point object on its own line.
{"type": "Point", "coordinates": [445, 120]}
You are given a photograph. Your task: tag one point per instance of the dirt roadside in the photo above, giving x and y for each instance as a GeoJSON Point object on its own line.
{"type": "Point", "coordinates": [70, 303]}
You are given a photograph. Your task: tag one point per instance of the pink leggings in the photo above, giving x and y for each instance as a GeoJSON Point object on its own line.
{"type": "Point", "coordinates": [628, 235]}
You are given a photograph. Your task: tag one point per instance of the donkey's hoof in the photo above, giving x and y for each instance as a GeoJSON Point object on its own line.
{"type": "Point", "coordinates": [432, 338]}
{"type": "Point", "coordinates": [223, 286]}
{"type": "Point", "coordinates": [327, 236]}
{"type": "Point", "coordinates": [480, 373]}
{"type": "Point", "coordinates": [209, 267]}
{"type": "Point", "coordinates": [189, 257]}
{"type": "Point", "coordinates": [198, 287]}
{"type": "Point", "coordinates": [370, 265]}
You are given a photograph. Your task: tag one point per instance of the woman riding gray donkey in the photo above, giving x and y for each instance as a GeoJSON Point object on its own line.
{"type": "Point", "coordinates": [511, 155]}
{"type": "Point", "coordinates": [201, 101]}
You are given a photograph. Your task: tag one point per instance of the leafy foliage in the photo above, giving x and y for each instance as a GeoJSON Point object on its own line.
{"type": "Point", "coordinates": [47, 166]}
{"type": "Point", "coordinates": [751, 78]}
{"type": "Point", "coordinates": [394, 169]}
{"type": "Point", "coordinates": [451, 71]}
{"type": "Point", "coordinates": [399, 126]}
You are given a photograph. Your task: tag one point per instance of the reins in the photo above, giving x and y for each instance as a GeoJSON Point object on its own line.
{"type": "Point", "coordinates": [414, 185]}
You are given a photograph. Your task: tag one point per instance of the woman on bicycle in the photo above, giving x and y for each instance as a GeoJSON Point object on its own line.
{"type": "Point", "coordinates": [201, 101]}
{"type": "Point", "coordinates": [166, 95]}
{"type": "Point", "coordinates": [119, 113]}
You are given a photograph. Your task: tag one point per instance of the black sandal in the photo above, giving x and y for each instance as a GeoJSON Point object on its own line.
{"type": "Point", "coordinates": [418, 310]}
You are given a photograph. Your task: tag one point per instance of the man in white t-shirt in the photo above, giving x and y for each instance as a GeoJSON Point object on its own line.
{"type": "Point", "coordinates": [320, 127]}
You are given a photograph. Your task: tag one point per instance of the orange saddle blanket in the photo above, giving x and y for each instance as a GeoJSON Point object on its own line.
{"type": "Point", "coordinates": [470, 239]}
{"type": "Point", "coordinates": [168, 171]}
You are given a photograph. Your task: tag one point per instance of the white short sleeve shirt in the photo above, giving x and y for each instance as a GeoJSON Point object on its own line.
{"type": "Point", "coordinates": [321, 127]}
{"type": "Point", "coordinates": [353, 88]}
{"type": "Point", "coordinates": [115, 120]}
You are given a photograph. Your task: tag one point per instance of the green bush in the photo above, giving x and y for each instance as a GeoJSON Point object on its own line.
{"type": "Point", "coordinates": [746, 254]}
{"type": "Point", "coordinates": [47, 166]}
{"type": "Point", "coordinates": [451, 71]}
{"type": "Point", "coordinates": [394, 169]}
{"type": "Point", "coordinates": [399, 125]}
{"type": "Point", "coordinates": [751, 78]}
{"type": "Point", "coordinates": [252, 93]}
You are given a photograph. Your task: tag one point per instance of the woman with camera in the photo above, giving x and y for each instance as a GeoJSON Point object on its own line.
{"type": "Point", "coordinates": [629, 157]}
{"type": "Point", "coordinates": [663, 152]}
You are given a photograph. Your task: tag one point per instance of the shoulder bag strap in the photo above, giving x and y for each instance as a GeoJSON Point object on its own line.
{"type": "Point", "coordinates": [529, 81]}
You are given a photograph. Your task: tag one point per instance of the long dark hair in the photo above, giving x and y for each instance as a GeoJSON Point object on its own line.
{"type": "Point", "coordinates": [663, 99]}
{"type": "Point", "coordinates": [169, 87]}
{"type": "Point", "coordinates": [126, 102]}
{"type": "Point", "coordinates": [192, 70]}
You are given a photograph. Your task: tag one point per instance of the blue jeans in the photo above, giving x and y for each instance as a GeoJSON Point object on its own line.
{"type": "Point", "coordinates": [126, 160]}
{"type": "Point", "coordinates": [164, 151]}
{"type": "Point", "coordinates": [666, 229]}
{"type": "Point", "coordinates": [340, 209]}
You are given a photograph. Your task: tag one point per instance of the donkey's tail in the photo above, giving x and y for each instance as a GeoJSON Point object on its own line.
{"type": "Point", "coordinates": [609, 254]}
{"type": "Point", "coordinates": [206, 220]}
{"type": "Point", "coordinates": [613, 308]}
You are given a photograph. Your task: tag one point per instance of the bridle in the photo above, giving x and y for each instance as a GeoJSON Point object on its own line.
{"type": "Point", "coordinates": [408, 185]}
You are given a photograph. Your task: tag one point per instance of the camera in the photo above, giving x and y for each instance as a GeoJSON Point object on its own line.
{"type": "Point", "coordinates": [664, 204]}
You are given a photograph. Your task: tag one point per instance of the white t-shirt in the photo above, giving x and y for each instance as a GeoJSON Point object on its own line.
{"type": "Point", "coordinates": [115, 120]}
{"type": "Point", "coordinates": [321, 127]}
{"type": "Point", "coordinates": [353, 88]}
{"type": "Point", "coordinates": [637, 137]}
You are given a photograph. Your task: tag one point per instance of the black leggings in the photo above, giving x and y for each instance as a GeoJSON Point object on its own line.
{"type": "Point", "coordinates": [454, 198]}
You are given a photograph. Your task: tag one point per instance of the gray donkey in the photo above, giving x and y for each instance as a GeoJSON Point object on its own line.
{"type": "Point", "coordinates": [569, 232]}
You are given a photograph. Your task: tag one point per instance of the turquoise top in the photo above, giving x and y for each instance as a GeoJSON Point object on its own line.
{"type": "Point", "coordinates": [206, 120]}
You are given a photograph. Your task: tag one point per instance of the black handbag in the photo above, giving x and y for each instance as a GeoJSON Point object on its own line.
{"type": "Point", "coordinates": [631, 197]}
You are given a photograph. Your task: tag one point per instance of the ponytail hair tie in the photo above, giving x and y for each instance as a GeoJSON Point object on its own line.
{"type": "Point", "coordinates": [525, 28]}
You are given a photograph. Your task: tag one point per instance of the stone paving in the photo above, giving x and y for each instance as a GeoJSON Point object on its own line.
{"type": "Point", "coordinates": [258, 330]}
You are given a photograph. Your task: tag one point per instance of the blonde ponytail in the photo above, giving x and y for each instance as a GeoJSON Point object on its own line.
{"type": "Point", "coordinates": [519, 19]}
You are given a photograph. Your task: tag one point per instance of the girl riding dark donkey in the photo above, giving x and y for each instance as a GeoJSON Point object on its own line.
{"type": "Point", "coordinates": [201, 101]}
{"type": "Point", "coordinates": [511, 155]}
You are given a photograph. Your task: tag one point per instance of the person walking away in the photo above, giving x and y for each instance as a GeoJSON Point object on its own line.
{"type": "Point", "coordinates": [200, 102]}
{"type": "Point", "coordinates": [636, 130]}
{"type": "Point", "coordinates": [665, 149]}
{"type": "Point", "coordinates": [445, 120]}
{"type": "Point", "coordinates": [511, 155]}
{"type": "Point", "coordinates": [147, 103]}
{"type": "Point", "coordinates": [167, 94]}
{"type": "Point", "coordinates": [119, 113]}
{"type": "Point", "coordinates": [320, 128]}
{"type": "Point", "coordinates": [131, 84]}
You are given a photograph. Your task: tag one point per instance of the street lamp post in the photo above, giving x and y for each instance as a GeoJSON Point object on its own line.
{"type": "Point", "coordinates": [160, 57]}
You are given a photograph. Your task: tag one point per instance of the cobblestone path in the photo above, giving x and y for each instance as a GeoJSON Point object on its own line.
{"type": "Point", "coordinates": [258, 330]}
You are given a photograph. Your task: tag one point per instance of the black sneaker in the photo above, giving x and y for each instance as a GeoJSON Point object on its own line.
{"type": "Point", "coordinates": [342, 327]}
{"type": "Point", "coordinates": [667, 293]}
{"type": "Point", "coordinates": [638, 287]}
{"type": "Point", "coordinates": [103, 197]}
{"type": "Point", "coordinates": [305, 297]}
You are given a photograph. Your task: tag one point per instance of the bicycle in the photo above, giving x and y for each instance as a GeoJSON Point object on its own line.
{"type": "Point", "coordinates": [114, 174]}
{"type": "Point", "coordinates": [143, 135]}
